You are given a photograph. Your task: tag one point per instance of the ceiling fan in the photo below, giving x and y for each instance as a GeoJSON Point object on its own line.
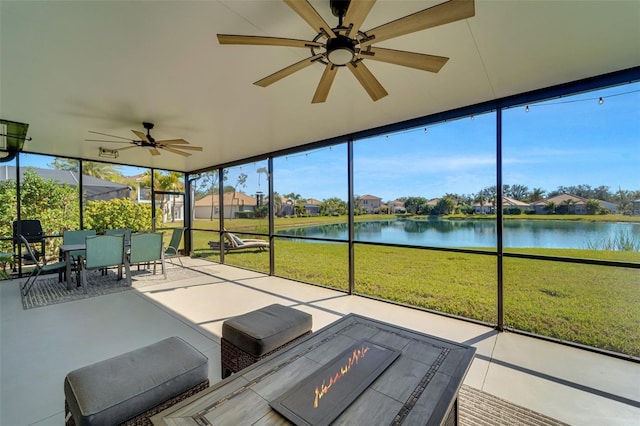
{"type": "Point", "coordinates": [177, 146]}
{"type": "Point", "coordinates": [347, 46]}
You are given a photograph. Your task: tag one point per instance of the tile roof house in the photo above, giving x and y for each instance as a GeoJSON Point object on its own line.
{"type": "Point", "coordinates": [396, 207]}
{"type": "Point", "coordinates": [209, 206]}
{"type": "Point", "coordinates": [369, 203]}
{"type": "Point", "coordinates": [572, 203]}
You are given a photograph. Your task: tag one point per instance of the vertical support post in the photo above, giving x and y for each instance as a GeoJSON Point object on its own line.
{"type": "Point", "coordinates": [221, 234]}
{"type": "Point", "coordinates": [153, 201]}
{"type": "Point", "coordinates": [272, 215]}
{"type": "Point", "coordinates": [351, 218]}
{"type": "Point", "coordinates": [80, 187]}
{"type": "Point", "coordinates": [18, 260]}
{"type": "Point", "coordinates": [188, 217]}
{"type": "Point", "coordinates": [499, 220]}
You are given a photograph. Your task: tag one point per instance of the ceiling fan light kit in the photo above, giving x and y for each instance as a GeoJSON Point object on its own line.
{"type": "Point", "coordinates": [340, 50]}
{"type": "Point", "coordinates": [108, 153]}
{"type": "Point", "coordinates": [347, 46]}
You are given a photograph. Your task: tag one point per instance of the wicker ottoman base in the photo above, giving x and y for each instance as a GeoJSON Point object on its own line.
{"type": "Point", "coordinates": [144, 418]}
{"type": "Point", "coordinates": [234, 359]}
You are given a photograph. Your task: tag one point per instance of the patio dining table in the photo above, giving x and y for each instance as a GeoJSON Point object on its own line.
{"type": "Point", "coordinates": [65, 252]}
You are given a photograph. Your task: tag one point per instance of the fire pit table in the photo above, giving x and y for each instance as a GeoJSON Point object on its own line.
{"type": "Point", "coordinates": [356, 370]}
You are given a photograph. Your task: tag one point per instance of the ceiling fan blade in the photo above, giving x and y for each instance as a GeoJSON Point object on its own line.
{"type": "Point", "coordinates": [173, 142]}
{"type": "Point", "coordinates": [310, 15]}
{"type": "Point", "coordinates": [407, 59]}
{"type": "Point", "coordinates": [154, 151]}
{"type": "Point", "coordinates": [357, 13]}
{"type": "Point", "coordinates": [127, 147]}
{"type": "Point", "coordinates": [325, 84]}
{"type": "Point", "coordinates": [100, 140]}
{"type": "Point", "coordinates": [368, 81]}
{"type": "Point", "coordinates": [111, 136]}
{"type": "Point", "coordinates": [265, 41]}
{"type": "Point", "coordinates": [450, 11]}
{"type": "Point", "coordinates": [190, 148]}
{"type": "Point", "coordinates": [175, 151]}
{"type": "Point", "coordinates": [287, 71]}
{"type": "Point", "coordinates": [141, 135]}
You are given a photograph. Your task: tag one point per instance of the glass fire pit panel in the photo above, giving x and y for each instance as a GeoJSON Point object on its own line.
{"type": "Point", "coordinates": [322, 397]}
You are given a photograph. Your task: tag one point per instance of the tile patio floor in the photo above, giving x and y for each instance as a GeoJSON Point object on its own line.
{"type": "Point", "coordinates": [38, 347]}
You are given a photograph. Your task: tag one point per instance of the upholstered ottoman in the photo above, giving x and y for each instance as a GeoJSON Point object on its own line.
{"type": "Point", "coordinates": [250, 337]}
{"type": "Point", "coordinates": [129, 388]}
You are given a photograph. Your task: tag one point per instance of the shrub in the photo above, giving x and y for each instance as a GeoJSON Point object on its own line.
{"type": "Point", "coordinates": [118, 213]}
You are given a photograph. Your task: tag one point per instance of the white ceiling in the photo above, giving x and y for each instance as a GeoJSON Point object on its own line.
{"type": "Point", "coordinates": [68, 67]}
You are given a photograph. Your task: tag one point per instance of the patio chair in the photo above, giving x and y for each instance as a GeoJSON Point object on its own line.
{"type": "Point", "coordinates": [31, 230]}
{"type": "Point", "coordinates": [174, 244]}
{"type": "Point", "coordinates": [38, 268]}
{"type": "Point", "coordinates": [77, 237]}
{"type": "Point", "coordinates": [147, 248]}
{"type": "Point", "coordinates": [104, 251]}
{"type": "Point", "coordinates": [237, 243]}
{"type": "Point", "coordinates": [120, 231]}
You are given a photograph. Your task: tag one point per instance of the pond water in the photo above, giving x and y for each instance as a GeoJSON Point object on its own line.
{"type": "Point", "coordinates": [479, 233]}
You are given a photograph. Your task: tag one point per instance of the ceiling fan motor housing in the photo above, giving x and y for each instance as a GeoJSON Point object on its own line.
{"type": "Point", "coordinates": [147, 125]}
{"type": "Point", "coordinates": [339, 7]}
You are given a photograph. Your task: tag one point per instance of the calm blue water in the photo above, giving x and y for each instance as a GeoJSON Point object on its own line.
{"type": "Point", "coordinates": [477, 233]}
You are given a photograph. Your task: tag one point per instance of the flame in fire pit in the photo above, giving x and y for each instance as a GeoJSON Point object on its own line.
{"type": "Point", "coordinates": [323, 389]}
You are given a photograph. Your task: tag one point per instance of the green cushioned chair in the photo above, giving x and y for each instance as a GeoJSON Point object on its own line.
{"type": "Point", "coordinates": [147, 248]}
{"type": "Point", "coordinates": [104, 251]}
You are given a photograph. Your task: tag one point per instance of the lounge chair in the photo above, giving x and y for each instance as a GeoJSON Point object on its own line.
{"type": "Point", "coordinates": [236, 243]}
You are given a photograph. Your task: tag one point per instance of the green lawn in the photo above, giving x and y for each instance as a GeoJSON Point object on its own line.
{"type": "Point", "coordinates": [589, 304]}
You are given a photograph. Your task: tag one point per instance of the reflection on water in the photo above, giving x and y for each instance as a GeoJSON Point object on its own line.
{"type": "Point", "coordinates": [475, 233]}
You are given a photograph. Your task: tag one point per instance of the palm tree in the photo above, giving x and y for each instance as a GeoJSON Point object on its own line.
{"type": "Point", "coordinates": [536, 194]}
{"type": "Point", "coordinates": [480, 199]}
{"type": "Point", "coordinates": [242, 181]}
{"type": "Point", "coordinates": [550, 207]}
{"type": "Point", "coordinates": [95, 169]}
{"type": "Point", "coordinates": [170, 182]}
{"type": "Point", "coordinates": [277, 204]}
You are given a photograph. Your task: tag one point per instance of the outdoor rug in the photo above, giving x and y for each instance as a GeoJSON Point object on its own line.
{"type": "Point", "coordinates": [48, 291]}
{"type": "Point", "coordinates": [480, 408]}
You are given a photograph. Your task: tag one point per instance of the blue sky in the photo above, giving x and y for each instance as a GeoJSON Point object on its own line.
{"type": "Point", "coordinates": [567, 141]}
{"type": "Point", "coordinates": [562, 142]}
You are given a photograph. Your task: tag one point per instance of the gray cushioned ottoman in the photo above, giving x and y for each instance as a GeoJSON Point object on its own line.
{"type": "Point", "coordinates": [115, 390]}
{"type": "Point", "coordinates": [255, 335]}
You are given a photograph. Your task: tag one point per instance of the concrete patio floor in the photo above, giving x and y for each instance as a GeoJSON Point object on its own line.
{"type": "Point", "coordinates": [38, 347]}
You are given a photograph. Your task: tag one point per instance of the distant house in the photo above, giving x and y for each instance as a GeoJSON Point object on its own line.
{"type": "Point", "coordinates": [513, 203]}
{"type": "Point", "coordinates": [312, 207]}
{"type": "Point", "coordinates": [396, 207]}
{"type": "Point", "coordinates": [485, 208]}
{"type": "Point", "coordinates": [572, 204]}
{"type": "Point", "coordinates": [172, 205]}
{"type": "Point", "coordinates": [209, 206]}
{"type": "Point", "coordinates": [94, 188]}
{"type": "Point", "coordinates": [488, 208]}
{"type": "Point", "coordinates": [288, 207]}
{"type": "Point", "coordinates": [369, 203]}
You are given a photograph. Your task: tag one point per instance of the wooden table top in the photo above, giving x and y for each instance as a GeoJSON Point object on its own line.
{"type": "Point", "coordinates": [419, 387]}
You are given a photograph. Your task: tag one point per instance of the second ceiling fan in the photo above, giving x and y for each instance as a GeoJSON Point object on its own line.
{"type": "Point", "coordinates": [176, 146]}
{"type": "Point", "coordinates": [347, 46]}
